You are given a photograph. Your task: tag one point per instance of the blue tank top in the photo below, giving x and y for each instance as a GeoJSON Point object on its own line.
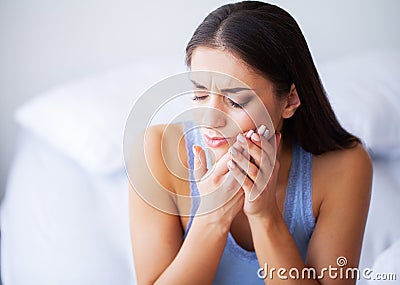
{"type": "Point", "coordinates": [237, 265]}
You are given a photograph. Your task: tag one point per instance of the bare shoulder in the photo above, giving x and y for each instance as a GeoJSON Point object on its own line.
{"type": "Point", "coordinates": [353, 161]}
{"type": "Point", "coordinates": [342, 175]}
{"type": "Point", "coordinates": [161, 148]}
{"type": "Point", "coordinates": [158, 131]}
{"type": "Point", "coordinates": [341, 192]}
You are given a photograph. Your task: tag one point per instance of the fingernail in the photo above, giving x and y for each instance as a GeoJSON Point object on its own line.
{"type": "Point", "coordinates": [249, 134]}
{"type": "Point", "coordinates": [241, 138]}
{"type": "Point", "coordinates": [231, 165]}
{"type": "Point", "coordinates": [261, 129]}
{"type": "Point", "coordinates": [256, 137]}
{"type": "Point", "coordinates": [194, 150]}
{"type": "Point", "coordinates": [233, 151]}
{"type": "Point", "coordinates": [266, 133]}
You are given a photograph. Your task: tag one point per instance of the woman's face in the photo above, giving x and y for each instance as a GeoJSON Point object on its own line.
{"type": "Point", "coordinates": [235, 108]}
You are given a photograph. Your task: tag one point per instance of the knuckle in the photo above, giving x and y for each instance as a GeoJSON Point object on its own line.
{"type": "Point", "coordinates": [214, 179]}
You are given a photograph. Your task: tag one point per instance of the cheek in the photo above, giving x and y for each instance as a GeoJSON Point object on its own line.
{"type": "Point", "coordinates": [274, 109]}
{"type": "Point", "coordinates": [195, 112]}
{"type": "Point", "coordinates": [257, 115]}
{"type": "Point", "coordinates": [275, 115]}
{"type": "Point", "coordinates": [239, 121]}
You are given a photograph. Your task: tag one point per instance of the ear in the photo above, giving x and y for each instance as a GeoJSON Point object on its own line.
{"type": "Point", "coordinates": [292, 102]}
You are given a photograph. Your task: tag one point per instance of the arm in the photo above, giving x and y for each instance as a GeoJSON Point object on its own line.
{"type": "Point", "coordinates": [346, 185]}
{"type": "Point", "coordinates": [162, 257]}
{"type": "Point", "coordinates": [343, 212]}
{"type": "Point", "coordinates": [160, 253]}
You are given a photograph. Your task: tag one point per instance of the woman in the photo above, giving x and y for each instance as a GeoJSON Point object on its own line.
{"type": "Point", "coordinates": [311, 213]}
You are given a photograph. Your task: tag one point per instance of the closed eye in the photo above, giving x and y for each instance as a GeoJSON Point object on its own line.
{"type": "Point", "coordinates": [199, 98]}
{"type": "Point", "coordinates": [235, 104]}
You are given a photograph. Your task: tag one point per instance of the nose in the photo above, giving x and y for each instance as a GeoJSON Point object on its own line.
{"type": "Point", "coordinates": [214, 115]}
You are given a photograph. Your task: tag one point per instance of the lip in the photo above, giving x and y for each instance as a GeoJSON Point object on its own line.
{"type": "Point", "coordinates": [215, 141]}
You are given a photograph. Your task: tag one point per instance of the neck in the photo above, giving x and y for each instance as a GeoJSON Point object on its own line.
{"type": "Point", "coordinates": [284, 155]}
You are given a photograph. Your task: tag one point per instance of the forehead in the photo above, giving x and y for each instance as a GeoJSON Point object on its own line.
{"type": "Point", "coordinates": [221, 61]}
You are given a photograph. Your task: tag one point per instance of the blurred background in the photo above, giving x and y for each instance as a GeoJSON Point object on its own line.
{"type": "Point", "coordinates": [49, 47]}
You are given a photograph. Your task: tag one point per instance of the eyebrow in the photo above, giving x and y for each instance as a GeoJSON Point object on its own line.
{"type": "Point", "coordinates": [226, 90]}
{"type": "Point", "coordinates": [235, 90]}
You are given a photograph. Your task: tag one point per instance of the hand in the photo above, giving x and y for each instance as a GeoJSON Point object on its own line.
{"type": "Point", "coordinates": [253, 174]}
{"type": "Point", "coordinates": [226, 199]}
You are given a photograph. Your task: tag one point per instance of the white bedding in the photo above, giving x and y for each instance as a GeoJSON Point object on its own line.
{"type": "Point", "coordinates": [383, 224]}
{"type": "Point", "coordinates": [387, 264]}
{"type": "Point", "coordinates": [61, 225]}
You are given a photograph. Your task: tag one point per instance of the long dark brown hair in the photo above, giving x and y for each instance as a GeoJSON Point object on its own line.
{"type": "Point", "coordinates": [268, 39]}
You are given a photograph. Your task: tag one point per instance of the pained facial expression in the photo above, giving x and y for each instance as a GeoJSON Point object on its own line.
{"type": "Point", "coordinates": [231, 106]}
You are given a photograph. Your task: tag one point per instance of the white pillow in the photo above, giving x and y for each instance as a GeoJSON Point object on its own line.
{"type": "Point", "coordinates": [365, 93]}
{"type": "Point", "coordinates": [86, 119]}
{"type": "Point", "coordinates": [385, 198]}
{"type": "Point", "coordinates": [388, 262]}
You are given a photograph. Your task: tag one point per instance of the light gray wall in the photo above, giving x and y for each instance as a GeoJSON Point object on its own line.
{"type": "Point", "coordinates": [44, 43]}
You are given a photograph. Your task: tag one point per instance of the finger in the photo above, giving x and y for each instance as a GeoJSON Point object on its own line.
{"type": "Point", "coordinates": [244, 181]}
{"type": "Point", "coordinates": [244, 164]}
{"type": "Point", "coordinates": [257, 143]}
{"type": "Point", "coordinates": [242, 150]}
{"type": "Point", "coordinates": [263, 141]}
{"type": "Point", "coordinates": [265, 132]}
{"type": "Point", "coordinates": [249, 134]}
{"type": "Point", "coordinates": [254, 150]}
{"type": "Point", "coordinates": [225, 191]}
{"type": "Point", "coordinates": [220, 166]}
{"type": "Point", "coordinates": [263, 135]}
{"type": "Point", "coordinates": [271, 183]}
{"type": "Point", "coordinates": [262, 181]}
{"type": "Point", "coordinates": [236, 202]}
{"type": "Point", "coordinates": [199, 163]}
{"type": "Point", "coordinates": [230, 185]}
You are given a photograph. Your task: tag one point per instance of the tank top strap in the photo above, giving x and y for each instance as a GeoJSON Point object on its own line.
{"type": "Point", "coordinates": [298, 212]}
{"type": "Point", "coordinates": [306, 194]}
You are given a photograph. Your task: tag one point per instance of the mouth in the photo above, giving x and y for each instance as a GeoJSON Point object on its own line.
{"type": "Point", "coordinates": [215, 141]}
